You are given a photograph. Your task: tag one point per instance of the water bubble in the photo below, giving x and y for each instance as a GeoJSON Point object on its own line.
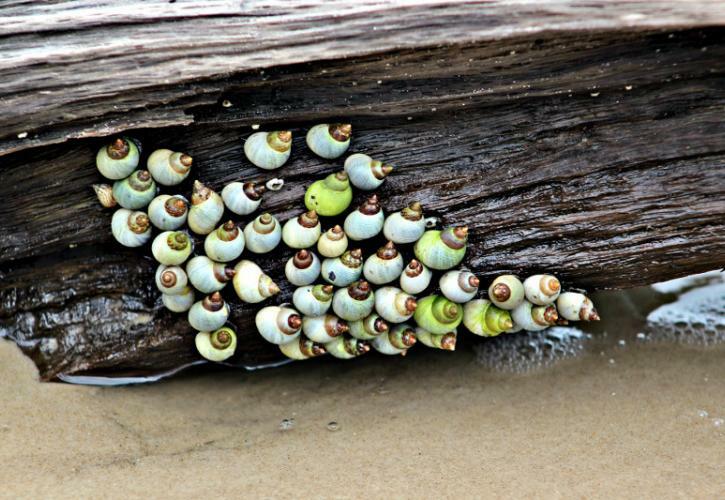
{"type": "Point", "coordinates": [717, 422]}
{"type": "Point", "coordinates": [333, 426]}
{"type": "Point", "coordinates": [287, 424]}
{"type": "Point", "coordinates": [611, 361]}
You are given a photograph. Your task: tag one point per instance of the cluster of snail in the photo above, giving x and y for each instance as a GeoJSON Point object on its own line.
{"type": "Point", "coordinates": [343, 315]}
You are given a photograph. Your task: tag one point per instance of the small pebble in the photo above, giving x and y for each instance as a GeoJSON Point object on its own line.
{"type": "Point", "coordinates": [227, 103]}
{"type": "Point", "coordinates": [702, 414]}
{"type": "Point", "coordinates": [333, 426]}
{"type": "Point", "coordinates": [622, 342]}
{"type": "Point", "coordinates": [611, 361]}
{"type": "Point", "coordinates": [717, 422]}
{"type": "Point", "coordinates": [594, 94]}
{"type": "Point", "coordinates": [287, 424]}
{"type": "Point", "coordinates": [255, 126]}
{"type": "Point", "coordinates": [627, 87]}
{"type": "Point", "coordinates": [22, 135]}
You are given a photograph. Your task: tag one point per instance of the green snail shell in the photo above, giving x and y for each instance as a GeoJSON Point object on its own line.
{"type": "Point", "coordinates": [168, 212]}
{"type": "Point", "coordinates": [355, 302]}
{"type": "Point", "coordinates": [131, 229]}
{"type": "Point", "coordinates": [459, 286]}
{"type": "Point", "coordinates": [118, 160]}
{"type": "Point", "coordinates": [406, 226]}
{"type": "Point", "coordinates": [442, 250]}
{"type": "Point", "coordinates": [169, 168]}
{"type": "Point", "coordinates": [180, 302]}
{"type": "Point", "coordinates": [323, 328]}
{"type": "Point", "coordinates": [209, 314]}
{"type": "Point", "coordinates": [329, 196]}
{"type": "Point", "coordinates": [225, 243]}
{"type": "Point", "coordinates": [242, 198]}
{"type": "Point", "coordinates": [329, 141]}
{"type": "Point", "coordinates": [344, 347]}
{"type": "Point", "coordinates": [263, 234]}
{"type": "Point", "coordinates": [278, 325]}
{"type": "Point", "coordinates": [171, 280]}
{"type": "Point", "coordinates": [302, 231]}
{"type": "Point", "coordinates": [218, 345]}
{"type": "Point", "coordinates": [135, 191]}
{"type": "Point", "coordinates": [206, 209]}
{"type": "Point", "coordinates": [343, 270]}
{"type": "Point", "coordinates": [396, 341]}
{"type": "Point", "coordinates": [332, 243]}
{"type": "Point", "coordinates": [206, 275]}
{"type": "Point", "coordinates": [302, 349]}
{"type": "Point", "coordinates": [303, 268]}
{"type": "Point", "coordinates": [507, 292]}
{"type": "Point", "coordinates": [383, 266]}
{"type": "Point", "coordinates": [576, 307]}
{"type": "Point", "coordinates": [172, 248]}
{"type": "Point", "coordinates": [251, 284]}
{"type": "Point", "coordinates": [445, 341]}
{"type": "Point", "coordinates": [438, 315]}
{"type": "Point", "coordinates": [415, 278]}
{"type": "Point", "coordinates": [368, 328]}
{"type": "Point", "coordinates": [483, 318]}
{"type": "Point", "coordinates": [542, 289]}
{"type": "Point", "coordinates": [268, 150]}
{"type": "Point", "coordinates": [364, 172]}
{"type": "Point", "coordinates": [394, 305]}
{"type": "Point", "coordinates": [313, 300]}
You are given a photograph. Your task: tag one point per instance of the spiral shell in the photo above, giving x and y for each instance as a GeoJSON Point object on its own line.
{"type": "Point", "coordinates": [269, 150]}
{"type": "Point", "coordinates": [263, 234]}
{"type": "Point", "coordinates": [168, 212]}
{"type": "Point", "coordinates": [483, 318]}
{"type": "Point", "coordinates": [206, 209]}
{"type": "Point", "coordinates": [313, 300]}
{"type": "Point", "coordinates": [225, 243]}
{"type": "Point", "coordinates": [172, 248]}
{"type": "Point", "coordinates": [135, 191]}
{"type": "Point", "coordinates": [459, 286]}
{"type": "Point", "coordinates": [206, 275]}
{"type": "Point", "coordinates": [332, 243]}
{"type": "Point", "coordinates": [438, 315]}
{"type": "Point", "coordinates": [329, 196]}
{"type": "Point", "coordinates": [329, 141]}
{"type": "Point", "coordinates": [302, 231]}
{"type": "Point", "coordinates": [396, 341]}
{"type": "Point", "coordinates": [415, 278]}
{"type": "Point", "coordinates": [542, 289]}
{"type": "Point", "coordinates": [534, 318]}
{"type": "Point", "coordinates": [118, 159]}
{"type": "Point", "coordinates": [445, 341]}
{"type": "Point", "coordinates": [323, 328]}
{"type": "Point", "coordinates": [355, 302]}
{"type": "Point", "coordinates": [343, 270]}
{"type": "Point", "coordinates": [251, 284]}
{"type": "Point", "coordinates": [104, 193]}
{"type": "Point", "coordinates": [303, 348]}
{"type": "Point", "coordinates": [243, 199]}
{"type": "Point", "coordinates": [278, 325]}
{"type": "Point", "coordinates": [576, 307]}
{"type": "Point", "coordinates": [344, 347]}
{"type": "Point", "coordinates": [507, 292]}
{"type": "Point", "coordinates": [217, 345]}
{"type": "Point", "coordinates": [394, 305]}
{"type": "Point", "coordinates": [442, 250]}
{"type": "Point", "coordinates": [384, 266]}
{"type": "Point", "coordinates": [131, 229]}
{"type": "Point", "coordinates": [365, 222]}
{"type": "Point", "coordinates": [302, 268]}
{"type": "Point", "coordinates": [179, 302]}
{"type": "Point", "coordinates": [365, 173]}
{"type": "Point", "coordinates": [171, 280]}
{"type": "Point", "coordinates": [406, 226]}
{"type": "Point", "coordinates": [169, 168]}
{"type": "Point", "coordinates": [209, 314]}
{"type": "Point", "coordinates": [369, 327]}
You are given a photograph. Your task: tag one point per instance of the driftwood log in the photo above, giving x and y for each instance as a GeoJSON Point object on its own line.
{"type": "Point", "coordinates": [585, 139]}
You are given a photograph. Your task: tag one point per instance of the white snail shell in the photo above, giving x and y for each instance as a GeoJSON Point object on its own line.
{"type": "Point", "coordinates": [329, 141]}
{"type": "Point", "coordinates": [251, 284]}
{"type": "Point", "coordinates": [415, 278]}
{"type": "Point", "coordinates": [394, 305]}
{"type": "Point", "coordinates": [343, 270]}
{"type": "Point", "coordinates": [542, 289]}
{"type": "Point", "coordinates": [206, 209]}
{"type": "Point", "coordinates": [364, 172]}
{"type": "Point", "coordinates": [406, 226]}
{"type": "Point", "coordinates": [169, 168]}
{"type": "Point", "coordinates": [209, 314]}
{"type": "Point", "coordinates": [131, 229]}
{"type": "Point", "coordinates": [365, 222]}
{"type": "Point", "coordinates": [302, 231]}
{"type": "Point", "coordinates": [104, 193]}
{"type": "Point", "coordinates": [344, 347]}
{"type": "Point", "coordinates": [534, 318]}
{"type": "Point", "coordinates": [179, 302]}
{"type": "Point", "coordinates": [506, 292]}
{"type": "Point", "coordinates": [323, 328]}
{"type": "Point", "coordinates": [168, 212]}
{"type": "Point", "coordinates": [459, 286]}
{"type": "Point", "coordinates": [172, 248]}
{"type": "Point", "coordinates": [278, 325]}
{"type": "Point", "coordinates": [225, 243]}
{"type": "Point", "coordinates": [383, 266]}
{"type": "Point", "coordinates": [268, 150]}
{"type": "Point", "coordinates": [135, 191]}
{"type": "Point", "coordinates": [208, 344]}
{"type": "Point", "coordinates": [206, 275]}
{"type": "Point", "coordinates": [242, 198]}
{"type": "Point", "coordinates": [355, 302]}
{"type": "Point", "coordinates": [368, 328]}
{"type": "Point", "coordinates": [396, 341]}
{"type": "Point", "coordinates": [303, 348]}
{"type": "Point", "coordinates": [263, 234]}
{"type": "Point", "coordinates": [576, 307]}
{"type": "Point", "coordinates": [118, 159]}
{"type": "Point", "coordinates": [171, 280]}
{"type": "Point", "coordinates": [332, 243]}
{"type": "Point", "coordinates": [303, 268]}
{"type": "Point", "coordinates": [313, 300]}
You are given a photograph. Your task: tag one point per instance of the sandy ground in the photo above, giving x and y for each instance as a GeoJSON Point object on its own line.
{"type": "Point", "coordinates": [637, 421]}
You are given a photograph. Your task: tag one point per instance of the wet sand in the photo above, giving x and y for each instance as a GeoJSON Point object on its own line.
{"type": "Point", "coordinates": [622, 419]}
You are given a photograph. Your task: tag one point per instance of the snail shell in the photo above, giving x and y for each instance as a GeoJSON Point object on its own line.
{"type": "Point", "coordinates": [576, 307]}
{"type": "Point", "coordinates": [168, 212]}
{"type": "Point", "coordinates": [118, 160]}
{"type": "Point", "coordinates": [278, 325]}
{"type": "Point", "coordinates": [483, 318]}
{"type": "Point", "coordinates": [369, 327]}
{"type": "Point", "coordinates": [135, 191]}
{"type": "Point", "coordinates": [169, 168]}
{"type": "Point", "coordinates": [217, 345]}
{"type": "Point", "coordinates": [209, 314]}
{"type": "Point", "coordinates": [445, 341]}
{"type": "Point", "coordinates": [344, 347]}
{"type": "Point", "coordinates": [507, 292]}
{"type": "Point", "coordinates": [263, 234]}
{"type": "Point", "coordinates": [172, 248]}
{"type": "Point", "coordinates": [323, 328]}
{"type": "Point", "coordinates": [332, 243]}
{"type": "Point", "coordinates": [534, 318]}
{"type": "Point", "coordinates": [302, 231]}
{"type": "Point", "coordinates": [180, 302]}
{"type": "Point", "coordinates": [355, 302]}
{"type": "Point", "coordinates": [104, 193]}
{"type": "Point", "coordinates": [251, 284]}
{"type": "Point", "coordinates": [329, 141]}
{"type": "Point", "coordinates": [269, 150]}
{"type": "Point", "coordinates": [459, 286]}
{"type": "Point", "coordinates": [442, 250]}
{"type": "Point", "coordinates": [329, 196]}
{"type": "Point", "coordinates": [384, 266]}
{"type": "Point", "coordinates": [396, 341]}
{"type": "Point", "coordinates": [206, 209]}
{"type": "Point", "coordinates": [365, 222]}
{"type": "Point", "coordinates": [438, 315]}
{"type": "Point", "coordinates": [365, 173]}
{"type": "Point", "coordinates": [171, 280]}
{"type": "Point", "coordinates": [394, 305]}
{"type": "Point", "coordinates": [302, 268]}
{"type": "Point", "coordinates": [303, 348]}
{"type": "Point", "coordinates": [225, 243]}
{"type": "Point", "coordinates": [243, 199]}
{"type": "Point", "coordinates": [131, 229]}
{"type": "Point", "coordinates": [313, 300]}
{"type": "Point", "coordinates": [406, 226]}
{"type": "Point", "coordinates": [415, 278]}
{"type": "Point", "coordinates": [542, 289]}
{"type": "Point", "coordinates": [206, 275]}
{"type": "Point", "coordinates": [343, 270]}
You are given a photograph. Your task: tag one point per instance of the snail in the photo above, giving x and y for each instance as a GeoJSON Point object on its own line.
{"type": "Point", "coordinates": [118, 159]}
{"type": "Point", "coordinates": [209, 314]}
{"type": "Point", "coordinates": [445, 341]}
{"type": "Point", "coordinates": [243, 199]}
{"type": "Point", "coordinates": [206, 209]}
{"type": "Point", "coordinates": [323, 328]}
{"type": "Point", "coordinates": [442, 250]}
{"type": "Point", "coordinates": [394, 305]}
{"type": "Point", "coordinates": [576, 307]}
{"type": "Point", "coordinates": [171, 280]}
{"type": "Point", "coordinates": [169, 168]}
{"type": "Point", "coordinates": [406, 226]}
{"type": "Point", "coordinates": [344, 347]}
{"type": "Point", "coordinates": [263, 234]}
{"type": "Point", "coordinates": [355, 302]}
{"type": "Point", "coordinates": [483, 318]}
{"type": "Point", "coordinates": [313, 300]}
{"type": "Point", "coordinates": [506, 291]}
{"type": "Point", "coordinates": [302, 348]}
{"type": "Point", "coordinates": [269, 150]}
{"type": "Point", "coordinates": [534, 318]}
{"type": "Point", "coordinates": [135, 191]}
{"type": "Point", "coordinates": [384, 266]}
{"type": "Point", "coordinates": [541, 289]}
{"type": "Point", "coordinates": [332, 243]}
{"type": "Point", "coordinates": [278, 324]}
{"type": "Point", "coordinates": [104, 193]}
{"type": "Point", "coordinates": [329, 196]}
{"type": "Point", "coordinates": [396, 341]}
{"type": "Point", "coordinates": [206, 275]}
{"type": "Point", "coordinates": [225, 243]}
{"type": "Point", "coordinates": [365, 222]}
{"type": "Point", "coordinates": [302, 268]}
{"type": "Point", "coordinates": [302, 231]}
{"type": "Point", "coordinates": [217, 345]}
{"type": "Point", "coordinates": [329, 141]}
{"type": "Point", "coordinates": [251, 284]}
{"type": "Point", "coordinates": [368, 328]}
{"type": "Point", "coordinates": [343, 270]}
{"type": "Point", "coordinates": [172, 248]}
{"type": "Point", "coordinates": [168, 212]}
{"type": "Point", "coordinates": [438, 315]}
{"type": "Point", "coordinates": [365, 173]}
{"type": "Point", "coordinates": [415, 278]}
{"type": "Point", "coordinates": [459, 286]}
{"type": "Point", "coordinates": [131, 229]}
{"type": "Point", "coordinates": [179, 302]}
